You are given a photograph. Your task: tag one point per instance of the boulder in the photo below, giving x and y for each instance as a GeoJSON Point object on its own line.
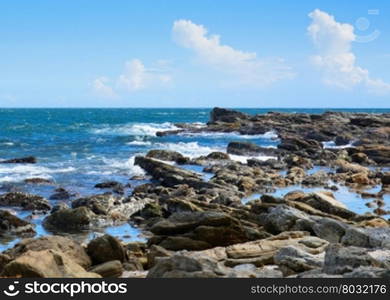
{"type": "Point", "coordinates": [106, 248]}
{"type": "Point", "coordinates": [68, 220]}
{"type": "Point", "coordinates": [45, 264]}
{"type": "Point", "coordinates": [61, 244]}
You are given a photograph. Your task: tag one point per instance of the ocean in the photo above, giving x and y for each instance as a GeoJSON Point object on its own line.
{"type": "Point", "coordinates": [78, 148]}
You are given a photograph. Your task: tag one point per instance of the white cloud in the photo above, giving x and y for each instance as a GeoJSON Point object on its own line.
{"type": "Point", "coordinates": [102, 89]}
{"type": "Point", "coordinates": [335, 58]}
{"type": "Point", "coordinates": [135, 77]}
{"type": "Point", "coordinates": [246, 67]}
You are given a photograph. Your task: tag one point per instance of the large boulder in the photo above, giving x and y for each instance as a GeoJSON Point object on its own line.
{"type": "Point", "coordinates": [25, 201]}
{"type": "Point", "coordinates": [69, 220]}
{"type": "Point", "coordinates": [106, 248]}
{"type": "Point", "coordinates": [45, 264]}
{"type": "Point", "coordinates": [70, 248]}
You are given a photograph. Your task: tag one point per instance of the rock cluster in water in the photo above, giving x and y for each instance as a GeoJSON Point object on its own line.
{"type": "Point", "coordinates": [202, 228]}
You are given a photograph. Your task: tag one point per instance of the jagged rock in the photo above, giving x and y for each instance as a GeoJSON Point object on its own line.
{"type": "Point", "coordinates": [45, 264]}
{"type": "Point", "coordinates": [106, 248]}
{"type": "Point", "coordinates": [25, 201]}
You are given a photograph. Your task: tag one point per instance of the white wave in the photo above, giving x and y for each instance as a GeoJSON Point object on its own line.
{"type": "Point", "coordinates": [192, 149]}
{"type": "Point", "coordinates": [16, 173]}
{"type": "Point", "coordinates": [332, 145]}
{"type": "Point", "coordinates": [139, 143]}
{"type": "Point", "coordinates": [234, 134]}
{"type": "Point", "coordinates": [7, 143]}
{"type": "Point", "coordinates": [138, 129]}
{"type": "Point", "coordinates": [125, 166]}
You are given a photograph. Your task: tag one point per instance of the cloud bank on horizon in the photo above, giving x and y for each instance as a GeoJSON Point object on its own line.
{"type": "Point", "coordinates": [334, 59]}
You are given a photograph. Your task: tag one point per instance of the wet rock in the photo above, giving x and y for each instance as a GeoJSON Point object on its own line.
{"type": "Point", "coordinates": [58, 207]}
{"type": "Point", "coordinates": [368, 272]}
{"type": "Point", "coordinates": [110, 269]}
{"type": "Point", "coordinates": [319, 178]}
{"type": "Point", "coordinates": [58, 243]}
{"type": "Point", "coordinates": [106, 248]}
{"type": "Point", "coordinates": [12, 225]}
{"type": "Point", "coordinates": [25, 201]}
{"type": "Point", "coordinates": [168, 155]}
{"type": "Point", "coordinates": [22, 160]}
{"type": "Point", "coordinates": [45, 264]}
{"type": "Point", "coordinates": [68, 220]}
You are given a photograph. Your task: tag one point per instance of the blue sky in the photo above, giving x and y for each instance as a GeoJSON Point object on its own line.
{"type": "Point", "coordinates": [165, 53]}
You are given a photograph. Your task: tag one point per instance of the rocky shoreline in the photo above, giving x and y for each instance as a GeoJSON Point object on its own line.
{"type": "Point", "coordinates": [197, 227]}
